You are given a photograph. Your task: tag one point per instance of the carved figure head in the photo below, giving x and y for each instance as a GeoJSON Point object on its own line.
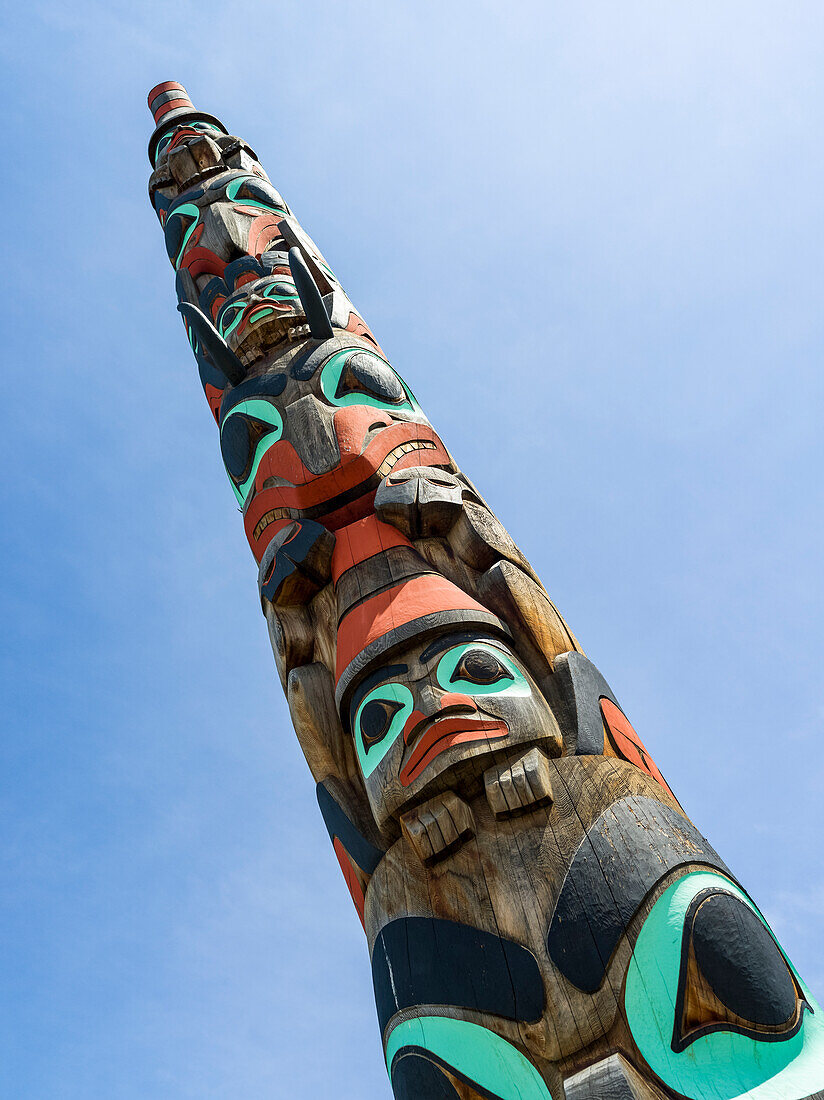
{"type": "Point", "coordinates": [427, 681]}
{"type": "Point", "coordinates": [312, 440]}
{"type": "Point", "coordinates": [432, 718]}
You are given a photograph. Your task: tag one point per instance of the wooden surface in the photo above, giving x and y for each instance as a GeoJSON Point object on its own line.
{"type": "Point", "coordinates": [542, 918]}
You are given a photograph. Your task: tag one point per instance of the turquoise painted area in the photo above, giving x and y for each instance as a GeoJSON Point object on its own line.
{"type": "Point", "coordinates": [229, 319]}
{"type": "Point", "coordinates": [390, 693]}
{"type": "Point", "coordinates": [722, 1065]}
{"type": "Point", "coordinates": [230, 315]}
{"type": "Point", "coordinates": [282, 292]}
{"type": "Point", "coordinates": [233, 188]}
{"type": "Point", "coordinates": [268, 414]}
{"type": "Point", "coordinates": [188, 209]}
{"type": "Point", "coordinates": [330, 378]}
{"type": "Point", "coordinates": [474, 1051]}
{"type": "Point", "coordinates": [514, 684]}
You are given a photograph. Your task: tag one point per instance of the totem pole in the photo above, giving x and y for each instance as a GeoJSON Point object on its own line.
{"type": "Point", "coordinates": [543, 919]}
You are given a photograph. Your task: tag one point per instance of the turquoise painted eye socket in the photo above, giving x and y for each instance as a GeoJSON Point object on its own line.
{"type": "Point", "coordinates": [246, 434]}
{"type": "Point", "coordinates": [281, 292]}
{"type": "Point", "coordinates": [378, 723]}
{"type": "Point", "coordinates": [359, 377]}
{"type": "Point", "coordinates": [229, 318]}
{"type": "Point", "coordinates": [478, 668]}
{"type": "Point", "coordinates": [180, 225]}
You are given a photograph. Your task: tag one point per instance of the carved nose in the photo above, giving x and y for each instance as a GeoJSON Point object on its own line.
{"type": "Point", "coordinates": [196, 155]}
{"type": "Point", "coordinates": [311, 432]}
{"type": "Point", "coordinates": [449, 703]}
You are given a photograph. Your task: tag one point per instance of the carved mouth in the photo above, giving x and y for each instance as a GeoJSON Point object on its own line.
{"type": "Point", "coordinates": [326, 507]}
{"type": "Point", "coordinates": [271, 516]}
{"type": "Point", "coordinates": [445, 734]}
{"type": "Point", "coordinates": [266, 330]}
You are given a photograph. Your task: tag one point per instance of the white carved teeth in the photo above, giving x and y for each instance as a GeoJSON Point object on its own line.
{"type": "Point", "coordinates": [400, 451]}
{"type": "Point", "coordinates": [270, 517]}
{"type": "Point", "coordinates": [384, 468]}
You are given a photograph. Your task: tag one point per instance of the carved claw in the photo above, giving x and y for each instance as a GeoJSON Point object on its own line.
{"type": "Point", "coordinates": [523, 785]}
{"type": "Point", "coordinates": [296, 563]}
{"type": "Point", "coordinates": [438, 826]}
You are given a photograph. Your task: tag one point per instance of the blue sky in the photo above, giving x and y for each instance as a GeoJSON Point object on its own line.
{"type": "Point", "coordinates": [589, 236]}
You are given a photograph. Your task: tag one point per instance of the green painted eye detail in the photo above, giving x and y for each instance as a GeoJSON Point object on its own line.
{"type": "Point", "coordinates": [378, 723]}
{"type": "Point", "coordinates": [355, 377]}
{"type": "Point", "coordinates": [478, 668]}
{"type": "Point", "coordinates": [161, 147]}
{"type": "Point", "coordinates": [281, 292]}
{"type": "Point", "coordinates": [229, 319]}
{"type": "Point", "coordinates": [177, 232]}
{"type": "Point", "coordinates": [262, 202]}
{"type": "Point", "coordinates": [246, 434]}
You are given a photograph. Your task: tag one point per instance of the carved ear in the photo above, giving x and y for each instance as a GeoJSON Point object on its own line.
{"type": "Point", "coordinates": [310, 297]}
{"type": "Point", "coordinates": [213, 343]}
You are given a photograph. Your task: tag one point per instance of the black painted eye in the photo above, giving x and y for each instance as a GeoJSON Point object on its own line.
{"type": "Point", "coordinates": [238, 441]}
{"type": "Point", "coordinates": [365, 373]}
{"type": "Point", "coordinates": [174, 231]}
{"type": "Point", "coordinates": [479, 666]}
{"type": "Point", "coordinates": [228, 317]}
{"type": "Point", "coordinates": [236, 446]}
{"type": "Point", "coordinates": [280, 290]}
{"type": "Point", "coordinates": [375, 719]}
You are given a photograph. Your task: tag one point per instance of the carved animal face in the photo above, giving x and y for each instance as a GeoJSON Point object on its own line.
{"type": "Point", "coordinates": [432, 719]}
{"type": "Point", "coordinates": [315, 441]}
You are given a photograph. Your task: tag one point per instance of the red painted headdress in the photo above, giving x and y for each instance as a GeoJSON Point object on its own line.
{"type": "Point", "coordinates": [387, 595]}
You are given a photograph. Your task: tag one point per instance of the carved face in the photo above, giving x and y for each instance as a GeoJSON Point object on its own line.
{"type": "Point", "coordinates": [187, 133]}
{"type": "Point", "coordinates": [432, 719]}
{"type": "Point", "coordinates": [208, 226]}
{"type": "Point", "coordinates": [315, 441]}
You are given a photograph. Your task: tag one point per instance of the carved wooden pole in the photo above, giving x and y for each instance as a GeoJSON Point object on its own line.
{"type": "Point", "coordinates": [543, 920]}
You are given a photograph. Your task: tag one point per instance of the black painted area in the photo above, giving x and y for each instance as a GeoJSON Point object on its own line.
{"type": "Point", "coordinates": [585, 687]}
{"type": "Point", "coordinates": [415, 1077]}
{"type": "Point", "coordinates": [366, 855]}
{"type": "Point", "coordinates": [265, 385]}
{"type": "Point", "coordinates": [744, 967]}
{"type": "Point", "coordinates": [213, 343]}
{"type": "Point", "coordinates": [422, 961]}
{"type": "Point", "coordinates": [284, 558]}
{"type": "Point", "coordinates": [310, 297]}
{"type": "Point", "coordinates": [625, 853]}
{"type": "Point", "coordinates": [741, 961]}
{"type": "Point", "coordinates": [422, 1052]}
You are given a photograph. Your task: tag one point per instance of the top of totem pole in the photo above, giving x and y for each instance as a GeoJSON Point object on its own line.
{"type": "Point", "coordinates": [170, 105]}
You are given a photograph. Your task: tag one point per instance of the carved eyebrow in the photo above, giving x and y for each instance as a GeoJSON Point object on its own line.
{"type": "Point", "coordinates": [450, 640]}
{"type": "Point", "coordinates": [372, 680]}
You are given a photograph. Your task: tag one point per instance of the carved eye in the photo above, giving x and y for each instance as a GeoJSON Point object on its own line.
{"type": "Point", "coordinates": [375, 720]}
{"type": "Point", "coordinates": [240, 436]}
{"type": "Point", "coordinates": [365, 373]}
{"type": "Point", "coordinates": [280, 290]}
{"type": "Point", "coordinates": [352, 377]}
{"type": "Point", "coordinates": [180, 224]}
{"type": "Point", "coordinates": [228, 316]}
{"type": "Point", "coordinates": [245, 438]}
{"type": "Point", "coordinates": [479, 666]}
